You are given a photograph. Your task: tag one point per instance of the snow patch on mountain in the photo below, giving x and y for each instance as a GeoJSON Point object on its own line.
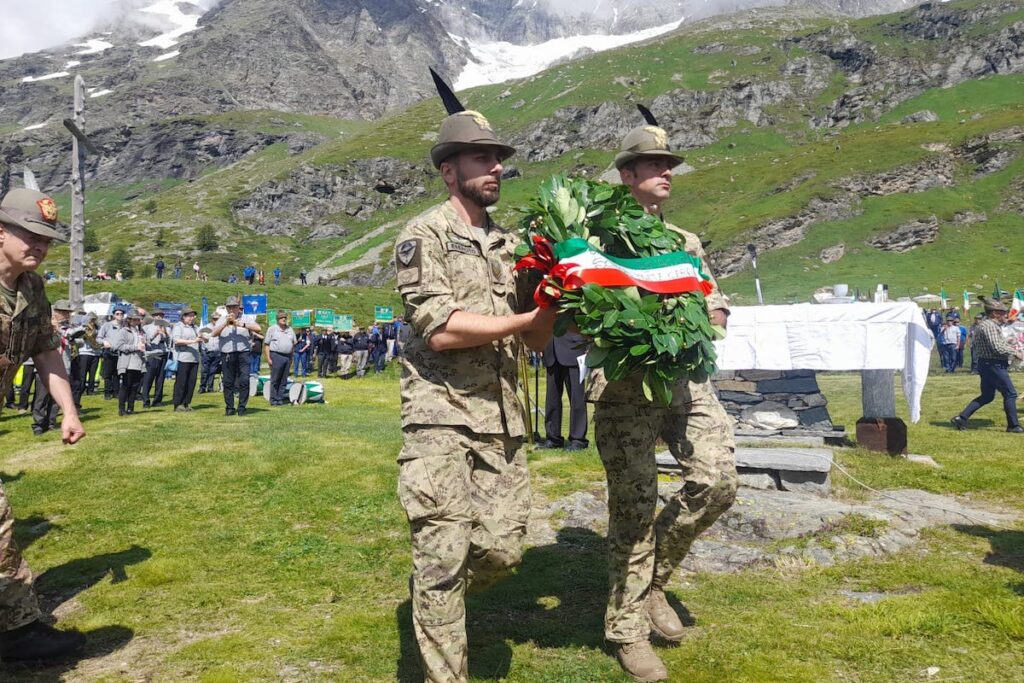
{"type": "Point", "coordinates": [183, 23]}
{"type": "Point", "coordinates": [496, 62]}
{"type": "Point", "coordinates": [47, 77]}
{"type": "Point", "coordinates": [93, 46]}
{"type": "Point", "coordinates": [167, 55]}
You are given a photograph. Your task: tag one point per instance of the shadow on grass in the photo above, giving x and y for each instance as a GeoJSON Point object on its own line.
{"type": "Point", "coordinates": [99, 642]}
{"type": "Point", "coordinates": [28, 530]}
{"type": "Point", "coordinates": [1007, 548]}
{"type": "Point", "coordinates": [63, 582]}
{"type": "Point", "coordinates": [973, 423]}
{"type": "Point", "coordinates": [556, 599]}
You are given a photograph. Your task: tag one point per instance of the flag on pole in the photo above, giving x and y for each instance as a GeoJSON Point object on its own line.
{"type": "Point", "coordinates": [997, 293]}
{"type": "Point", "coordinates": [1017, 309]}
{"type": "Point", "coordinates": [967, 302]}
{"type": "Point", "coordinates": [942, 295]}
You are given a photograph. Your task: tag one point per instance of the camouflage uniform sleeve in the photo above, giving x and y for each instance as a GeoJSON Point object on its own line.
{"type": "Point", "coordinates": [423, 281]}
{"type": "Point", "coordinates": [43, 336]}
{"type": "Point", "coordinates": [716, 300]}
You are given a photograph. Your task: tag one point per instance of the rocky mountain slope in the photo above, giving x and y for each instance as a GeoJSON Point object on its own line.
{"type": "Point", "coordinates": [835, 145]}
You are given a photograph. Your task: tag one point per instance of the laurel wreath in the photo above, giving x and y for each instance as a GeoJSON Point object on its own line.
{"type": "Point", "coordinates": [664, 338]}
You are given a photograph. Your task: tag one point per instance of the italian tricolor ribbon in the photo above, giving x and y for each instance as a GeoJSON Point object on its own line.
{"type": "Point", "coordinates": [575, 262]}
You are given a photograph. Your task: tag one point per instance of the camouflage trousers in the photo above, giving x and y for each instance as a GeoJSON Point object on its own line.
{"type": "Point", "coordinates": [18, 605]}
{"type": "Point", "coordinates": [467, 498]}
{"type": "Point", "coordinates": [645, 548]}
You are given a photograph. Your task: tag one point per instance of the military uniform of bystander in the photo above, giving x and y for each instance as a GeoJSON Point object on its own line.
{"type": "Point", "coordinates": [463, 480]}
{"type": "Point", "coordinates": [28, 224]}
{"type": "Point", "coordinates": [645, 548]}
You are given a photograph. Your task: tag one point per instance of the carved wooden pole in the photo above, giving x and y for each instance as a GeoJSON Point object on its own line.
{"type": "Point", "coordinates": [77, 275]}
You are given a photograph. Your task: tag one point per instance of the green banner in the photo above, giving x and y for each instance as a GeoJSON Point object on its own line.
{"type": "Point", "coordinates": [324, 317]}
{"type": "Point", "coordinates": [271, 316]}
{"type": "Point", "coordinates": [302, 318]}
{"type": "Point", "coordinates": [383, 314]}
{"type": "Point", "coordinates": [343, 323]}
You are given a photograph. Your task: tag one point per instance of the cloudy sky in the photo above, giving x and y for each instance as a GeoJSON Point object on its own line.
{"type": "Point", "coordinates": [34, 25]}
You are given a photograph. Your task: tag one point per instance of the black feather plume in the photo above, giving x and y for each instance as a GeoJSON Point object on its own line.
{"type": "Point", "coordinates": [648, 116]}
{"type": "Point", "coordinates": [451, 102]}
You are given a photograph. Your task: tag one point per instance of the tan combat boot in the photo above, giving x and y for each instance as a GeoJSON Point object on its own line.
{"type": "Point", "coordinates": [664, 620]}
{"type": "Point", "coordinates": [641, 662]}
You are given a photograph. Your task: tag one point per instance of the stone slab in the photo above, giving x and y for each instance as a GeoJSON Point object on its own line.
{"type": "Point", "coordinates": [818, 483]}
{"type": "Point", "coordinates": [780, 459]}
{"type": "Point", "coordinates": [797, 385]}
{"type": "Point", "coordinates": [739, 397]}
{"type": "Point", "coordinates": [735, 385]}
{"type": "Point", "coordinates": [813, 416]}
{"type": "Point", "coordinates": [757, 479]}
{"type": "Point", "coordinates": [757, 375]}
{"type": "Point", "coordinates": [785, 459]}
{"type": "Point", "coordinates": [779, 440]}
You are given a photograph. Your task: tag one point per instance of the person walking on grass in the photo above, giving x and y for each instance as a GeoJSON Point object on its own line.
{"type": "Point", "coordinates": [994, 353]}
{"type": "Point", "coordinates": [28, 226]}
{"type": "Point", "coordinates": [463, 479]}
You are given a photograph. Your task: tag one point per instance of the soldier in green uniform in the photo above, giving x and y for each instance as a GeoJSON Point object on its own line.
{"type": "Point", "coordinates": [463, 480]}
{"type": "Point", "coordinates": [644, 547]}
{"type": "Point", "coordinates": [28, 224]}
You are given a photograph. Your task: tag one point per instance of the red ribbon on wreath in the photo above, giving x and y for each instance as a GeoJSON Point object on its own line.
{"type": "Point", "coordinates": [556, 276]}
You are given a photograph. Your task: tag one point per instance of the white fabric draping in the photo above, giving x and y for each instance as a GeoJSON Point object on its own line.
{"type": "Point", "coordinates": [860, 336]}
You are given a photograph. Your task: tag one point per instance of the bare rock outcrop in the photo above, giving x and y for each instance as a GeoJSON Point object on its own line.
{"type": "Point", "coordinates": [908, 236]}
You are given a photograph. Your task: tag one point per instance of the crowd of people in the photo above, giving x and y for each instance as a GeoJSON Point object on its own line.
{"type": "Point", "coordinates": [131, 354]}
{"type": "Point", "coordinates": [953, 339]}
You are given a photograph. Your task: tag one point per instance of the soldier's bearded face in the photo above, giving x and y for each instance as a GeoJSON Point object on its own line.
{"type": "Point", "coordinates": [478, 177]}
{"type": "Point", "coordinates": [22, 249]}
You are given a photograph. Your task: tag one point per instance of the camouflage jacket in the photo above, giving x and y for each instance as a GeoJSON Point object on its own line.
{"type": "Point", "coordinates": [630, 390]}
{"type": "Point", "coordinates": [443, 267]}
{"type": "Point", "coordinates": [27, 330]}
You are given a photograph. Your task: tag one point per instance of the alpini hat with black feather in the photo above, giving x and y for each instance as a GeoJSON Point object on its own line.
{"type": "Point", "coordinates": [463, 129]}
{"type": "Point", "coordinates": [650, 140]}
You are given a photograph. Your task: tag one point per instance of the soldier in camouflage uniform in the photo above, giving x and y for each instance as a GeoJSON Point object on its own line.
{"type": "Point", "coordinates": [28, 224]}
{"type": "Point", "coordinates": [463, 480]}
{"type": "Point", "coordinates": [646, 548]}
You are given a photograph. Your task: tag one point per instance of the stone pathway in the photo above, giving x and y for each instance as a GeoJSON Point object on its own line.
{"type": "Point", "coordinates": [327, 272]}
{"type": "Point", "coordinates": [784, 528]}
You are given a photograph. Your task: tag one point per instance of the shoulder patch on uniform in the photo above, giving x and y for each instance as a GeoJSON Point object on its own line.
{"type": "Point", "coordinates": [407, 253]}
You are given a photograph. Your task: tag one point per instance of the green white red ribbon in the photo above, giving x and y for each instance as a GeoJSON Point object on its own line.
{"type": "Point", "coordinates": [575, 262]}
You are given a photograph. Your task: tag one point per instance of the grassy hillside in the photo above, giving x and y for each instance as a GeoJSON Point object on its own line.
{"type": "Point", "coordinates": [751, 176]}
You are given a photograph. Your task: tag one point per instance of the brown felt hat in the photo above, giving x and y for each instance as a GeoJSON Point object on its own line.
{"type": "Point", "coordinates": [33, 211]}
{"type": "Point", "coordinates": [991, 304]}
{"type": "Point", "coordinates": [62, 305]}
{"type": "Point", "coordinates": [466, 130]}
{"type": "Point", "coordinates": [645, 141]}
{"type": "Point", "coordinates": [187, 311]}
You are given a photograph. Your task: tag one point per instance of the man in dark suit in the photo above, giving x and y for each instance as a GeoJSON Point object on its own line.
{"type": "Point", "coordinates": [564, 372]}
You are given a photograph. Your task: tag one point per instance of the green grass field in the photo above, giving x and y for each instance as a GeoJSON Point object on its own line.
{"type": "Point", "coordinates": [272, 548]}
